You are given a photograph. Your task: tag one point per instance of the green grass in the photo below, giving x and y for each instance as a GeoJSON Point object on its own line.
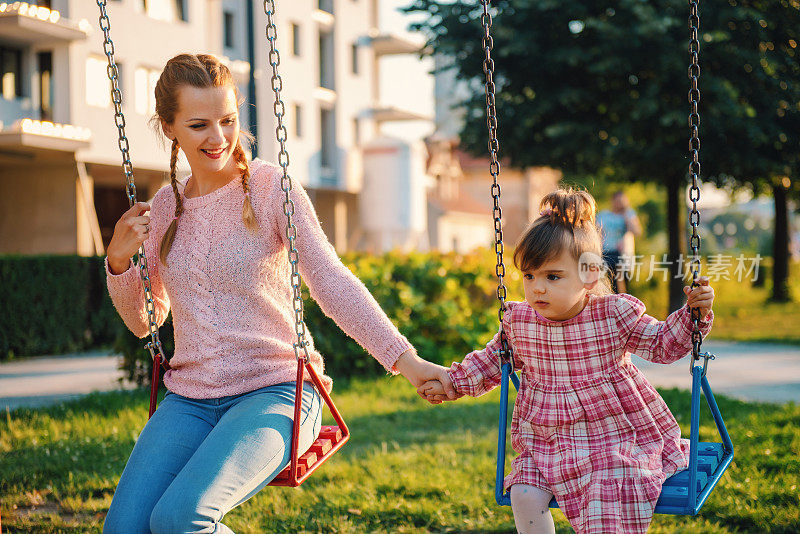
{"type": "Point", "coordinates": [409, 467]}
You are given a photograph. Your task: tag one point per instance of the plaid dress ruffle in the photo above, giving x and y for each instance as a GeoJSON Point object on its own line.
{"type": "Point", "coordinates": [587, 425]}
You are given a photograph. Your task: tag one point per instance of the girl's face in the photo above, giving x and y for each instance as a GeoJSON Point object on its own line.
{"type": "Point", "coordinates": [207, 128]}
{"type": "Point", "coordinates": [555, 289]}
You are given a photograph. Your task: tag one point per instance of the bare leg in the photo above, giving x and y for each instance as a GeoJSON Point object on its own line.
{"type": "Point", "coordinates": [531, 510]}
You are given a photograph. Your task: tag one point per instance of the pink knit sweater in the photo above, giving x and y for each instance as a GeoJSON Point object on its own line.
{"type": "Point", "coordinates": [230, 293]}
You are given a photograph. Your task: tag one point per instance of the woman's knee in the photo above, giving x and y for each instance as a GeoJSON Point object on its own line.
{"type": "Point", "coordinates": [171, 517]}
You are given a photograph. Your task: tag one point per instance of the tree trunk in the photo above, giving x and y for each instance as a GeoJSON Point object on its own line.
{"type": "Point", "coordinates": [676, 243]}
{"type": "Point", "coordinates": [780, 247]}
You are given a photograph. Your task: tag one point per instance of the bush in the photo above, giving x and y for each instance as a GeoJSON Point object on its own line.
{"type": "Point", "coordinates": [52, 304]}
{"type": "Point", "coordinates": [444, 303]}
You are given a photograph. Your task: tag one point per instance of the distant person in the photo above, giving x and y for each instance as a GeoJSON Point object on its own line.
{"type": "Point", "coordinates": [619, 226]}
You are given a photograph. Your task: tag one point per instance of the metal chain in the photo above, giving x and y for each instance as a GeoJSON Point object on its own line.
{"type": "Point", "coordinates": [694, 167]}
{"type": "Point", "coordinates": [494, 170]}
{"type": "Point", "coordinates": [154, 346]}
{"type": "Point", "coordinates": [286, 182]}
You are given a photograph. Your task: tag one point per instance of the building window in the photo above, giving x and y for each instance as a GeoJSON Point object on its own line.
{"type": "Point", "coordinates": [354, 57]}
{"type": "Point", "coordinates": [326, 5]}
{"type": "Point", "coordinates": [45, 69]}
{"type": "Point", "coordinates": [298, 120]}
{"type": "Point", "coordinates": [11, 69]}
{"type": "Point", "coordinates": [145, 80]}
{"type": "Point", "coordinates": [98, 86]}
{"type": "Point", "coordinates": [327, 146]}
{"type": "Point", "coordinates": [326, 61]}
{"type": "Point", "coordinates": [356, 131]}
{"type": "Point", "coordinates": [296, 39]}
{"type": "Point", "coordinates": [166, 10]}
{"type": "Point", "coordinates": [228, 29]}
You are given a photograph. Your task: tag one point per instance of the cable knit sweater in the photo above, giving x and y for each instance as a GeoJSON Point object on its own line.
{"type": "Point", "coordinates": [230, 292]}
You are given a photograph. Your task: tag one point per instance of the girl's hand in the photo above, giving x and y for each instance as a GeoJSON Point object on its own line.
{"type": "Point", "coordinates": [418, 371]}
{"type": "Point", "coordinates": [129, 233]}
{"type": "Point", "coordinates": [700, 297]}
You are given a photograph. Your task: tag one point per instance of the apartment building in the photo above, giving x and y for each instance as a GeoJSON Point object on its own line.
{"type": "Point", "coordinates": [61, 185]}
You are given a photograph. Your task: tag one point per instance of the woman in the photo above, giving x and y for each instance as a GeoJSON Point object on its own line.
{"type": "Point", "coordinates": [223, 431]}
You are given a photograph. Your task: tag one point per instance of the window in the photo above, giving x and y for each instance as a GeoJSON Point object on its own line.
{"type": "Point", "coordinates": [298, 120]}
{"type": "Point", "coordinates": [98, 86]}
{"type": "Point", "coordinates": [11, 71]}
{"type": "Point", "coordinates": [354, 56]}
{"type": "Point", "coordinates": [326, 61]}
{"type": "Point", "coordinates": [356, 131]}
{"type": "Point", "coordinates": [295, 39]}
{"type": "Point", "coordinates": [327, 145]}
{"type": "Point", "coordinates": [45, 69]}
{"type": "Point", "coordinates": [145, 80]}
{"type": "Point", "coordinates": [228, 29]}
{"type": "Point", "coordinates": [166, 10]}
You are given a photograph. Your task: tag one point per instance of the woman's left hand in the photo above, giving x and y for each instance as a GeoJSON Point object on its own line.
{"type": "Point", "coordinates": [700, 297]}
{"type": "Point", "coordinates": [418, 371]}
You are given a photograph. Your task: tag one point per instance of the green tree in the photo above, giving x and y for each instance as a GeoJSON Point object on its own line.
{"type": "Point", "coordinates": [600, 90]}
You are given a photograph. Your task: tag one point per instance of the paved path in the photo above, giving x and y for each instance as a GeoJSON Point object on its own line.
{"type": "Point", "coordinates": [46, 380]}
{"type": "Point", "coordinates": [749, 371]}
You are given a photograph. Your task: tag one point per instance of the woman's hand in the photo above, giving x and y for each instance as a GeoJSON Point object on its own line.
{"type": "Point", "coordinates": [418, 371]}
{"type": "Point", "coordinates": [700, 297]}
{"type": "Point", "coordinates": [129, 233]}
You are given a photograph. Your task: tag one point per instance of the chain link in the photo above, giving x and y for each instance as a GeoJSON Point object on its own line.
{"type": "Point", "coordinates": [494, 170]}
{"type": "Point", "coordinates": [279, 110]}
{"type": "Point", "coordinates": [694, 166]}
{"type": "Point", "coordinates": [154, 346]}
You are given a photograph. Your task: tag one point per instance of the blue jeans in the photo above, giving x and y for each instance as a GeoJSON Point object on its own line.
{"type": "Point", "coordinates": [196, 459]}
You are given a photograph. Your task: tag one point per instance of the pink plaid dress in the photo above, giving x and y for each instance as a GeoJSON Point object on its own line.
{"type": "Point", "coordinates": [587, 425]}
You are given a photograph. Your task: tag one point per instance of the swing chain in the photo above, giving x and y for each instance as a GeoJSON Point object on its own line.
{"type": "Point", "coordinates": [494, 170]}
{"type": "Point", "coordinates": [279, 111]}
{"type": "Point", "coordinates": [694, 170]}
{"type": "Point", "coordinates": [154, 346]}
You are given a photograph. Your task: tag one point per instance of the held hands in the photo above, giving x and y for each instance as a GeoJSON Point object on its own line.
{"type": "Point", "coordinates": [420, 372]}
{"type": "Point", "coordinates": [434, 391]}
{"type": "Point", "coordinates": [700, 297]}
{"type": "Point", "coordinates": [129, 233]}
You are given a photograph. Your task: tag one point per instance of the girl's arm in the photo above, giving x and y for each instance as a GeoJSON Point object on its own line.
{"type": "Point", "coordinates": [340, 294]}
{"type": "Point", "coordinates": [126, 289]}
{"type": "Point", "coordinates": [480, 371]}
{"type": "Point", "coordinates": [654, 340]}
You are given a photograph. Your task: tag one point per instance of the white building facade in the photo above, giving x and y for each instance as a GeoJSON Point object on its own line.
{"type": "Point", "coordinates": [61, 185]}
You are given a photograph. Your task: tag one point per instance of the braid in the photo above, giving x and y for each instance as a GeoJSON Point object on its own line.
{"type": "Point", "coordinates": [169, 235]}
{"type": "Point", "coordinates": [248, 214]}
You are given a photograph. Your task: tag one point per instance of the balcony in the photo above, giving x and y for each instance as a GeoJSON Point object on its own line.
{"type": "Point", "coordinates": [390, 44]}
{"type": "Point", "coordinates": [22, 23]}
{"type": "Point", "coordinates": [390, 113]}
{"type": "Point", "coordinates": [30, 133]}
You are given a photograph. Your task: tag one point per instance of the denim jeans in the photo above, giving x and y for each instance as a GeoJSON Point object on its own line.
{"type": "Point", "coordinates": [196, 459]}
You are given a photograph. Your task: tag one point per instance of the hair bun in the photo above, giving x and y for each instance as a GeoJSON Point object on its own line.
{"type": "Point", "coordinates": [570, 207]}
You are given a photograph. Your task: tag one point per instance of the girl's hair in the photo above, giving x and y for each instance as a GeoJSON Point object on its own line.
{"type": "Point", "coordinates": [566, 223]}
{"type": "Point", "coordinates": [202, 71]}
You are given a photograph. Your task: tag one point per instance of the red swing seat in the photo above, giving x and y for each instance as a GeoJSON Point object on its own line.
{"type": "Point", "coordinates": [330, 438]}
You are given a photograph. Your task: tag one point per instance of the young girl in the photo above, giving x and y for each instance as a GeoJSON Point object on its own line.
{"type": "Point", "coordinates": [587, 425]}
{"type": "Point", "coordinates": [217, 251]}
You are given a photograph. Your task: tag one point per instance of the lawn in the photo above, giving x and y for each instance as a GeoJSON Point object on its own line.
{"type": "Point", "coordinates": [409, 467]}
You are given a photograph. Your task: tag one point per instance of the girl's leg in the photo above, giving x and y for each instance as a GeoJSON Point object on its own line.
{"type": "Point", "coordinates": [247, 448]}
{"type": "Point", "coordinates": [166, 443]}
{"type": "Point", "coordinates": [531, 507]}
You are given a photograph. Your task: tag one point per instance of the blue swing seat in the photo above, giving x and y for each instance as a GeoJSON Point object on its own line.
{"type": "Point", "coordinates": [707, 461]}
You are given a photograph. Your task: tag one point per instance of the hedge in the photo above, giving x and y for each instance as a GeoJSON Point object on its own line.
{"type": "Point", "coordinates": [444, 303]}
{"type": "Point", "coordinates": [54, 304]}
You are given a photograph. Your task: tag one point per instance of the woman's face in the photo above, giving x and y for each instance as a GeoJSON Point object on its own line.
{"type": "Point", "coordinates": [206, 126]}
